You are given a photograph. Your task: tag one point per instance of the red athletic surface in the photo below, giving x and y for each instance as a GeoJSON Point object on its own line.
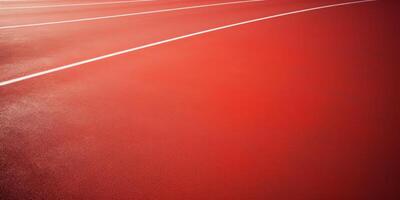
{"type": "Point", "coordinates": [299, 107]}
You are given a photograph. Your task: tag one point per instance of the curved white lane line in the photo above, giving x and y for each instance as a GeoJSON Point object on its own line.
{"type": "Point", "coordinates": [127, 14]}
{"type": "Point", "coordinates": [22, 78]}
{"type": "Point", "coordinates": [73, 5]}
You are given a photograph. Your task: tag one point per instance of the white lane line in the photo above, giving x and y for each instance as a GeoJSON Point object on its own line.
{"type": "Point", "coordinates": [42, 73]}
{"type": "Point", "coordinates": [127, 14]}
{"type": "Point", "coordinates": [73, 5]}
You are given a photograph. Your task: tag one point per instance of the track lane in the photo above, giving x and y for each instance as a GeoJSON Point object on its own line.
{"type": "Point", "coordinates": [173, 39]}
{"type": "Point", "coordinates": [35, 49]}
{"type": "Point", "coordinates": [11, 17]}
{"type": "Point", "coordinates": [131, 14]}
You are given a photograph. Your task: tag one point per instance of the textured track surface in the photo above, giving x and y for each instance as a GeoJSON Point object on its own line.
{"type": "Point", "coordinates": [298, 107]}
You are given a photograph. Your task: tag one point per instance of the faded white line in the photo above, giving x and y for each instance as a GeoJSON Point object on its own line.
{"type": "Point", "coordinates": [127, 14]}
{"type": "Point", "coordinates": [22, 78]}
{"type": "Point", "coordinates": [73, 5]}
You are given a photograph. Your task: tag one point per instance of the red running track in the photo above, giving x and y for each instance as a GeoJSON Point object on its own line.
{"type": "Point", "coordinates": [303, 106]}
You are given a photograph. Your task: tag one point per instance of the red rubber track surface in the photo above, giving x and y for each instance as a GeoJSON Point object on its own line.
{"type": "Point", "coordinates": [298, 107]}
